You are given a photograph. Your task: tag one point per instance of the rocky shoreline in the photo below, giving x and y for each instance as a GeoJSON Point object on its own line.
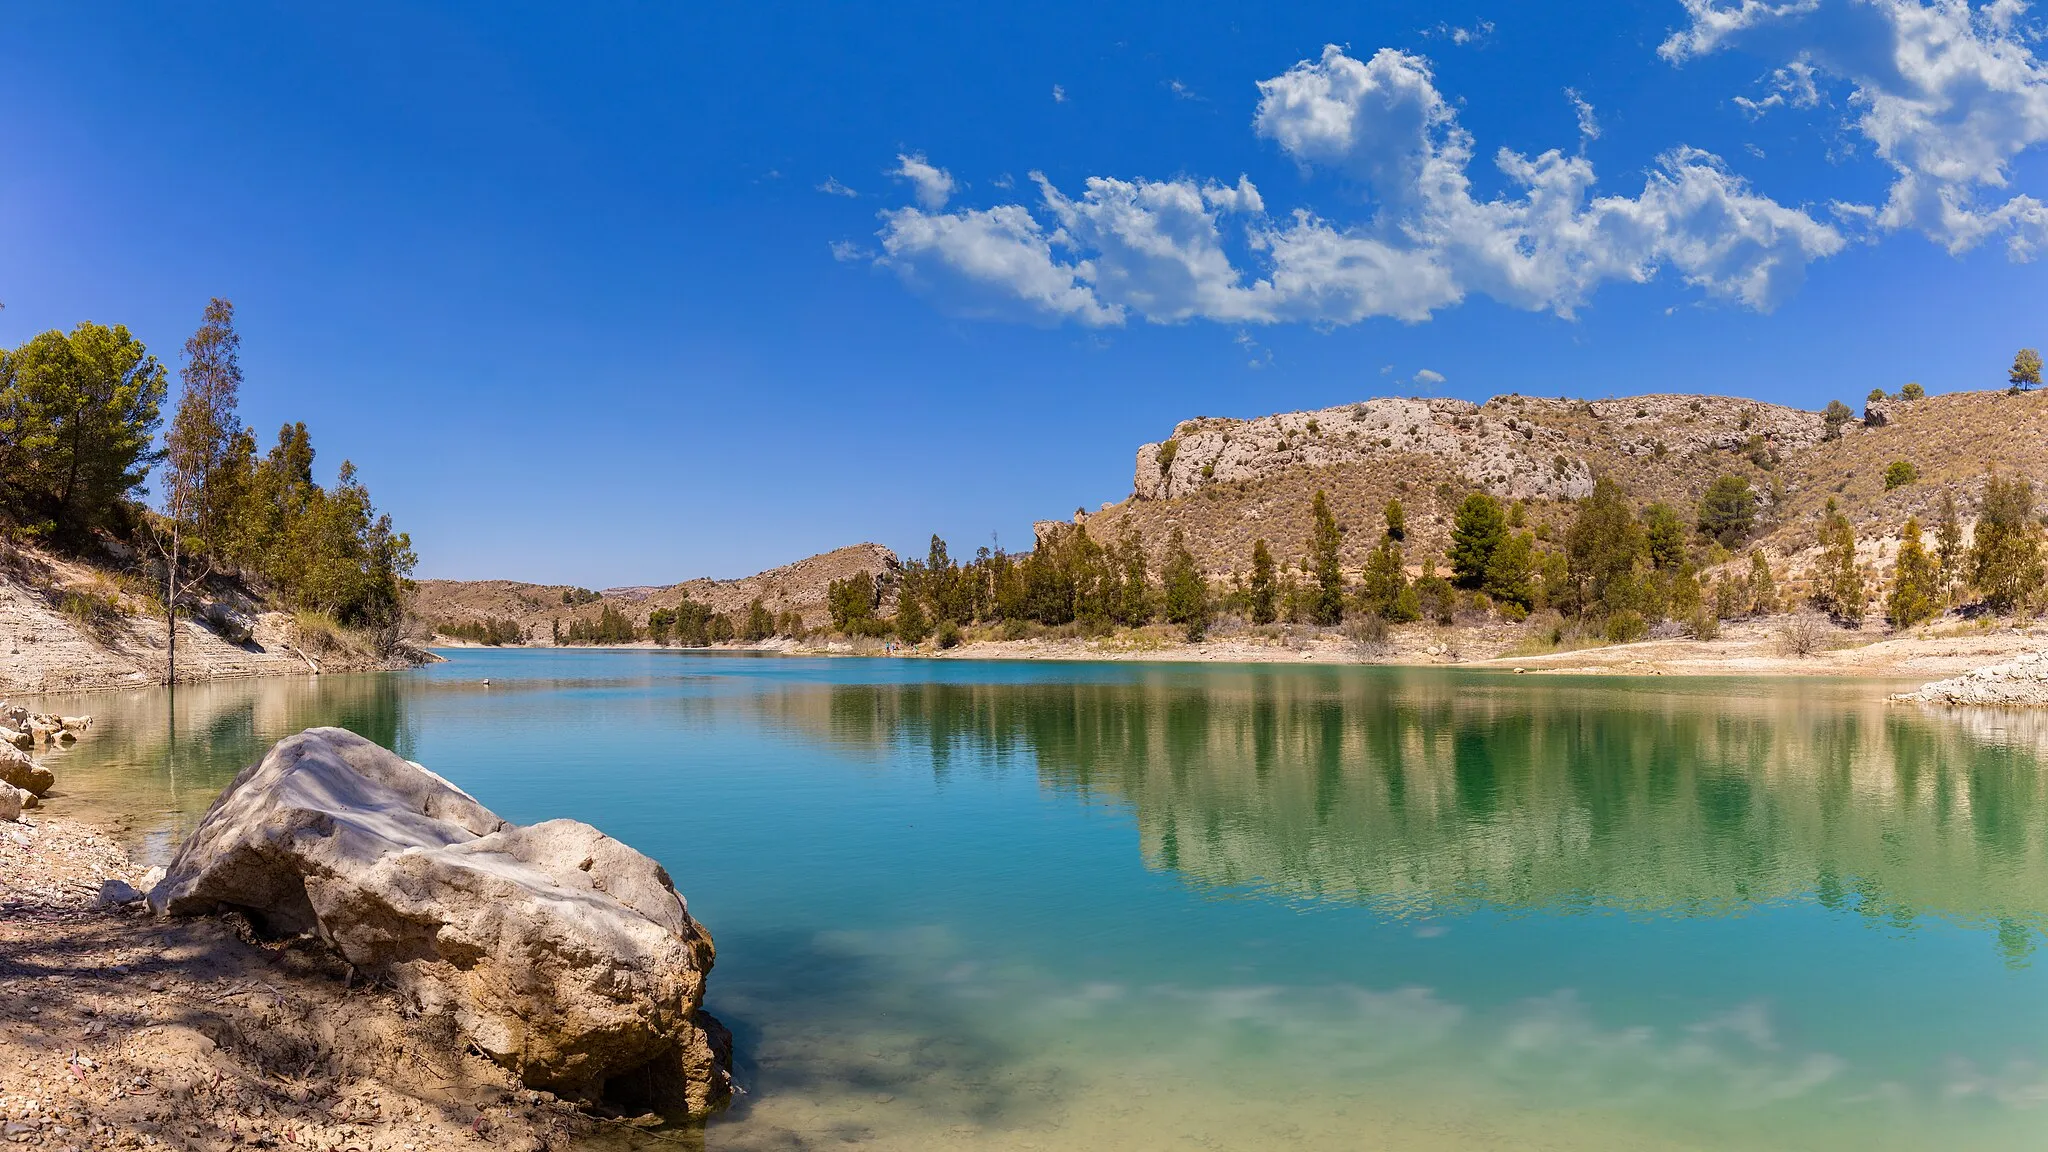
{"type": "Point", "coordinates": [2021, 683]}
{"type": "Point", "coordinates": [564, 1014]}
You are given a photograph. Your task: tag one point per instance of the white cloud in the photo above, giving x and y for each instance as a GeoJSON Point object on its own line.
{"type": "Point", "coordinates": [934, 185]}
{"type": "Point", "coordinates": [832, 187]}
{"type": "Point", "coordinates": [1460, 36]}
{"type": "Point", "coordinates": [1181, 90]}
{"type": "Point", "coordinates": [1163, 250]}
{"type": "Point", "coordinates": [1059, 94]}
{"type": "Point", "coordinates": [1948, 96]}
{"type": "Point", "coordinates": [1589, 126]}
{"type": "Point", "coordinates": [992, 263]}
{"type": "Point", "coordinates": [846, 251]}
{"type": "Point", "coordinates": [1715, 21]}
{"type": "Point", "coordinates": [1429, 377]}
{"type": "Point", "coordinates": [1795, 85]}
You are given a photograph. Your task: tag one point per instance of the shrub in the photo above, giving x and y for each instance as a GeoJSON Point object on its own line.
{"type": "Point", "coordinates": [1876, 395]}
{"type": "Point", "coordinates": [1626, 627]}
{"type": "Point", "coordinates": [1802, 635]}
{"type": "Point", "coordinates": [1912, 392]}
{"type": "Point", "coordinates": [1367, 632]}
{"type": "Point", "coordinates": [1704, 625]}
{"type": "Point", "coordinates": [1898, 474]}
{"type": "Point", "coordinates": [949, 635]}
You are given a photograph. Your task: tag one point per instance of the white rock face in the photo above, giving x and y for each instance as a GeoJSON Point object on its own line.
{"type": "Point", "coordinates": [1516, 450]}
{"type": "Point", "coordinates": [564, 954]}
{"type": "Point", "coordinates": [2021, 683]}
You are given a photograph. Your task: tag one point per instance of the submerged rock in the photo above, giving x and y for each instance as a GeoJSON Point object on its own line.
{"type": "Point", "coordinates": [565, 955]}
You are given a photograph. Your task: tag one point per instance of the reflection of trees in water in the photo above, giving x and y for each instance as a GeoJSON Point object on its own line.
{"type": "Point", "coordinates": [169, 753]}
{"type": "Point", "coordinates": [1426, 793]}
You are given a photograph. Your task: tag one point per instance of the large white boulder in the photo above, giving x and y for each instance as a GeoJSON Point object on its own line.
{"type": "Point", "coordinates": [565, 955]}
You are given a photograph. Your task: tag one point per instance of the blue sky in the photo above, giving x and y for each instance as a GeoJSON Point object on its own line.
{"type": "Point", "coordinates": [666, 291]}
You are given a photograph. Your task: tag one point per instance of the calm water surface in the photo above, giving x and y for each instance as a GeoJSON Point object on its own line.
{"type": "Point", "coordinates": [1111, 906]}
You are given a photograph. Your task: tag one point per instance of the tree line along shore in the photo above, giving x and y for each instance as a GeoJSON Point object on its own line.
{"type": "Point", "coordinates": [112, 514]}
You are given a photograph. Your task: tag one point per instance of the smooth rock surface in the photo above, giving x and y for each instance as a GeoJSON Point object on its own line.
{"type": "Point", "coordinates": [18, 769]}
{"type": "Point", "coordinates": [565, 955]}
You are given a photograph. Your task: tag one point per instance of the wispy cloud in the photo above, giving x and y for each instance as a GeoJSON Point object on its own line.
{"type": "Point", "coordinates": [832, 187]}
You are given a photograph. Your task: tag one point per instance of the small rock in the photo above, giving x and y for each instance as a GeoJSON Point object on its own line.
{"type": "Point", "coordinates": [114, 893]}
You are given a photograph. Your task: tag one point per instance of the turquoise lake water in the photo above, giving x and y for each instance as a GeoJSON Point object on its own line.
{"type": "Point", "coordinates": [1012, 905]}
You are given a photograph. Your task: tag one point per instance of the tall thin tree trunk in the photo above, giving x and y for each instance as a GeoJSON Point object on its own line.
{"type": "Point", "coordinates": [171, 611]}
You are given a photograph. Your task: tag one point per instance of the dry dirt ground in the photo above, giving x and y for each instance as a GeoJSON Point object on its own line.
{"type": "Point", "coordinates": [1761, 648]}
{"type": "Point", "coordinates": [120, 1030]}
{"type": "Point", "coordinates": [65, 625]}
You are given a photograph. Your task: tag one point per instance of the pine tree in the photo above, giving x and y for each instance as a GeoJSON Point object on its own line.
{"type": "Point", "coordinates": [1916, 588]}
{"type": "Point", "coordinates": [1187, 593]}
{"type": "Point", "coordinates": [1260, 593]}
{"type": "Point", "coordinates": [78, 420]}
{"type": "Point", "coordinates": [1136, 599]}
{"type": "Point", "coordinates": [199, 447]}
{"type": "Point", "coordinates": [1838, 584]}
{"type": "Point", "coordinates": [1508, 572]}
{"type": "Point", "coordinates": [1480, 528]}
{"type": "Point", "coordinates": [911, 625]}
{"type": "Point", "coordinates": [1384, 591]}
{"type": "Point", "coordinates": [1948, 544]}
{"type": "Point", "coordinates": [2005, 560]}
{"type": "Point", "coordinates": [1397, 521]}
{"type": "Point", "coordinates": [1763, 589]}
{"type": "Point", "coordinates": [2026, 370]}
{"type": "Point", "coordinates": [1663, 536]}
{"type": "Point", "coordinates": [1326, 605]}
{"type": "Point", "coordinates": [1602, 547]}
{"type": "Point", "coordinates": [760, 623]}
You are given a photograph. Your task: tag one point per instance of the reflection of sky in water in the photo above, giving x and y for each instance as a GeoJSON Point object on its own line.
{"type": "Point", "coordinates": [1005, 905]}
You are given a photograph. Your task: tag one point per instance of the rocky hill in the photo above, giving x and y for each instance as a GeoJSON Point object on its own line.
{"type": "Point", "coordinates": [798, 587]}
{"type": "Point", "coordinates": [1227, 482]}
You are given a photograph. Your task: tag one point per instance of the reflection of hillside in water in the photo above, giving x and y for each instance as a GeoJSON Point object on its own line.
{"type": "Point", "coordinates": [1428, 793]}
{"type": "Point", "coordinates": [161, 757]}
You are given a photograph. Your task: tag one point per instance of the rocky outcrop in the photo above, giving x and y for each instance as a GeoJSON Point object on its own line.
{"type": "Point", "coordinates": [565, 955]}
{"type": "Point", "coordinates": [2021, 683]}
{"type": "Point", "coordinates": [1518, 447]}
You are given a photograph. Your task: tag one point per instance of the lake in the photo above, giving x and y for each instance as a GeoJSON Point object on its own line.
{"type": "Point", "coordinates": [1060, 906]}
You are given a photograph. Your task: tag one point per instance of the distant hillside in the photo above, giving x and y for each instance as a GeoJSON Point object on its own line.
{"type": "Point", "coordinates": [1228, 482]}
{"type": "Point", "coordinates": [535, 608]}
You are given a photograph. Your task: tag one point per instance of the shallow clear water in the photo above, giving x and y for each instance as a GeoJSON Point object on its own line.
{"type": "Point", "coordinates": [1115, 906]}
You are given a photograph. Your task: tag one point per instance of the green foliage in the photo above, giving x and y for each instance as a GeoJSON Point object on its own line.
{"type": "Point", "coordinates": [760, 623]}
{"type": "Point", "coordinates": [688, 624]}
{"type": "Point", "coordinates": [851, 604]}
{"type": "Point", "coordinates": [1838, 586]}
{"type": "Point", "coordinates": [1479, 529]}
{"type": "Point", "coordinates": [1912, 391]}
{"type": "Point", "coordinates": [1916, 581]}
{"type": "Point", "coordinates": [78, 417]}
{"type": "Point", "coordinates": [1261, 607]}
{"type": "Point", "coordinates": [2005, 560]}
{"type": "Point", "coordinates": [1948, 543]}
{"type": "Point", "coordinates": [1626, 627]}
{"type": "Point", "coordinates": [1397, 521]}
{"type": "Point", "coordinates": [1663, 536]}
{"type": "Point", "coordinates": [1187, 593]}
{"type": "Point", "coordinates": [611, 627]}
{"type": "Point", "coordinates": [1434, 596]}
{"type": "Point", "coordinates": [1728, 510]}
{"type": "Point", "coordinates": [949, 634]}
{"type": "Point", "coordinates": [911, 625]}
{"type": "Point", "coordinates": [1876, 396]}
{"type": "Point", "coordinates": [577, 597]}
{"type": "Point", "coordinates": [1602, 548]}
{"type": "Point", "coordinates": [1834, 416]}
{"type": "Point", "coordinates": [489, 631]}
{"type": "Point", "coordinates": [1508, 574]}
{"type": "Point", "coordinates": [200, 481]}
{"type": "Point", "coordinates": [1135, 599]}
{"type": "Point", "coordinates": [1385, 591]}
{"type": "Point", "coordinates": [1763, 588]}
{"type": "Point", "coordinates": [1898, 474]}
{"type": "Point", "coordinates": [1167, 452]}
{"type": "Point", "coordinates": [2026, 370]}
{"type": "Point", "coordinates": [1326, 604]}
